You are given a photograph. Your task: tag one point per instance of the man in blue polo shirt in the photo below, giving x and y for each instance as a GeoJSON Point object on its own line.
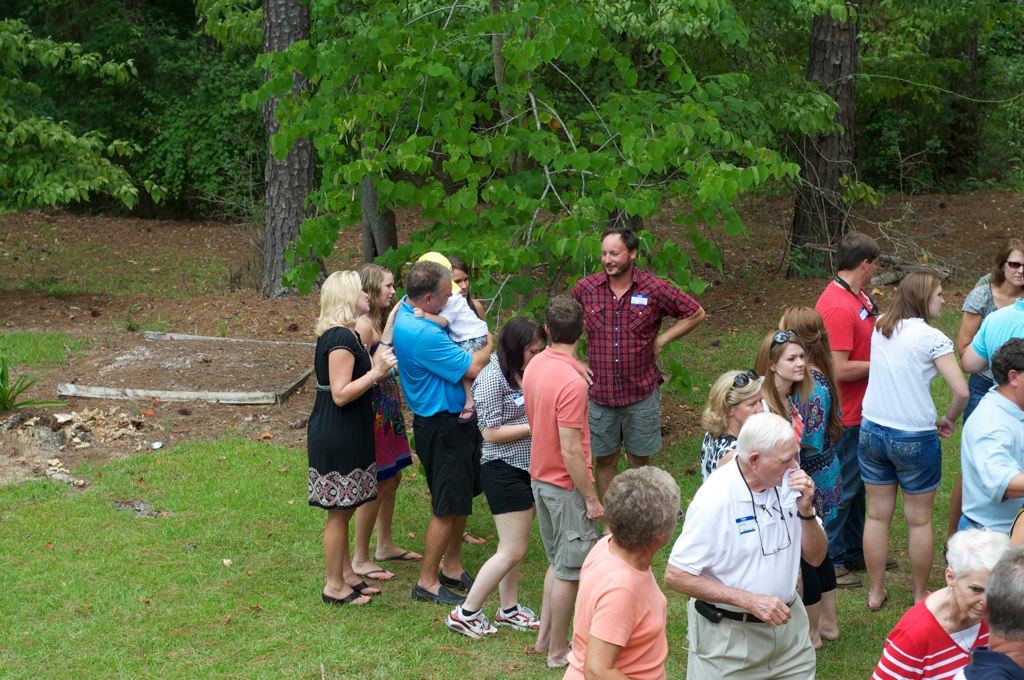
{"type": "Point", "coordinates": [992, 446]}
{"type": "Point", "coordinates": [996, 328]}
{"type": "Point", "coordinates": [432, 368]}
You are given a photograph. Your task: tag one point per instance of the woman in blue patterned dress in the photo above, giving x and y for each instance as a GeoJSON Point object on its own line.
{"type": "Point", "coordinates": [376, 329]}
{"type": "Point", "coordinates": [823, 426]}
{"type": "Point", "coordinates": [339, 437]}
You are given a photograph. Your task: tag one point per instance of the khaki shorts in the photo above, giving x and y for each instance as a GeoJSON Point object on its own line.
{"type": "Point", "coordinates": [566, 531]}
{"type": "Point", "coordinates": [737, 650]}
{"type": "Point", "coordinates": [638, 426]}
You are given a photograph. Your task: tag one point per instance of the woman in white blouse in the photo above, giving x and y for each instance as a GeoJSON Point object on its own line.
{"type": "Point", "coordinates": [899, 434]}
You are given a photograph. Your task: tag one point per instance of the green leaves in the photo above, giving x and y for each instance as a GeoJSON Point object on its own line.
{"type": "Point", "coordinates": [42, 161]}
{"type": "Point", "coordinates": [519, 171]}
{"type": "Point", "coordinates": [10, 392]}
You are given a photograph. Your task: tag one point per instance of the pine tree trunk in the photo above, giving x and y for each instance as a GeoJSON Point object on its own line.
{"type": "Point", "coordinates": [291, 180]}
{"type": "Point", "coordinates": [379, 229]}
{"type": "Point", "coordinates": [820, 217]}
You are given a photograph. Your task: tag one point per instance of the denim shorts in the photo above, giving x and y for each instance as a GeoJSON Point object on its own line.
{"type": "Point", "coordinates": [890, 456]}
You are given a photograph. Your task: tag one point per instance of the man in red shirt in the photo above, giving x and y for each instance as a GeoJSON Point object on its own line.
{"type": "Point", "coordinates": [849, 314]}
{"type": "Point", "coordinates": [622, 309]}
{"type": "Point", "coordinates": [555, 392]}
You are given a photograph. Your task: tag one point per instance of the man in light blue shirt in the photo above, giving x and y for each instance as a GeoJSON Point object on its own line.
{"type": "Point", "coordinates": [996, 329]}
{"type": "Point", "coordinates": [992, 446]}
{"type": "Point", "coordinates": [432, 368]}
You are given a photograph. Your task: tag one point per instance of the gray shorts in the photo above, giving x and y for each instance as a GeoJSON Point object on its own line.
{"type": "Point", "coordinates": [638, 426]}
{"type": "Point", "coordinates": [473, 344]}
{"type": "Point", "coordinates": [566, 531]}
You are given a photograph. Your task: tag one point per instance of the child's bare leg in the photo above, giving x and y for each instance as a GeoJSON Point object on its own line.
{"type": "Point", "coordinates": [470, 406]}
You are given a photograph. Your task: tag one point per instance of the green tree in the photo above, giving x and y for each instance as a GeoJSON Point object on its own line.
{"type": "Point", "coordinates": [42, 160]}
{"type": "Point", "coordinates": [519, 174]}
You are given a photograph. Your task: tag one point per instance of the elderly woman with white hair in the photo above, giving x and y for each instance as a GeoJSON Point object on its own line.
{"type": "Point", "coordinates": [619, 627]}
{"type": "Point", "coordinates": [935, 637]}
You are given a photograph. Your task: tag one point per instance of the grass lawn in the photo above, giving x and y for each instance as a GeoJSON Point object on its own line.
{"type": "Point", "coordinates": [94, 591]}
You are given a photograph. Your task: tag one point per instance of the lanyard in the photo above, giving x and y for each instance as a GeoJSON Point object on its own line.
{"type": "Point", "coordinates": [873, 310]}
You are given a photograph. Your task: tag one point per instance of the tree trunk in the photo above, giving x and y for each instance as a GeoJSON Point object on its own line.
{"type": "Point", "coordinates": [379, 229]}
{"type": "Point", "coordinates": [515, 157]}
{"type": "Point", "coordinates": [291, 180]}
{"type": "Point", "coordinates": [820, 217]}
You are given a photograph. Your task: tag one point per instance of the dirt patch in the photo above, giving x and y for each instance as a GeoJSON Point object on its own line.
{"type": "Point", "coordinates": [960, 232]}
{"type": "Point", "coordinates": [193, 365]}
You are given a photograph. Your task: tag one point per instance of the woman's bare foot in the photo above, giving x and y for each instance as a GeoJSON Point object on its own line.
{"type": "Point", "coordinates": [340, 597]}
{"type": "Point", "coordinates": [470, 538]}
{"type": "Point", "coordinates": [396, 554]}
{"type": "Point", "coordinates": [830, 634]}
{"type": "Point", "coordinates": [816, 642]}
{"type": "Point", "coordinates": [364, 570]}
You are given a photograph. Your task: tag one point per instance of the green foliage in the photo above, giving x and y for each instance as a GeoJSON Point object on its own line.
{"type": "Point", "coordinates": [520, 177]}
{"type": "Point", "coordinates": [44, 161]}
{"type": "Point", "coordinates": [233, 23]}
{"type": "Point", "coordinates": [10, 392]}
{"type": "Point", "coordinates": [201, 145]}
{"type": "Point", "coordinates": [196, 147]}
{"type": "Point", "coordinates": [941, 95]}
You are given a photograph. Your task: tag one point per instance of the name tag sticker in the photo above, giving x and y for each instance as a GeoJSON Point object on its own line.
{"type": "Point", "coordinates": [863, 314]}
{"type": "Point", "coordinates": [638, 300]}
{"type": "Point", "coordinates": [745, 525]}
{"type": "Point", "coordinates": [518, 400]}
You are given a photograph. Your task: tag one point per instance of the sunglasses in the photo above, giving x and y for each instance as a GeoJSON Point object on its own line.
{"type": "Point", "coordinates": [782, 337]}
{"type": "Point", "coordinates": [1014, 265]}
{"type": "Point", "coordinates": [745, 378]}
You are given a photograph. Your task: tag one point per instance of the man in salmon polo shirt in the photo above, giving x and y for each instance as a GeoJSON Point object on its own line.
{"type": "Point", "coordinates": [556, 398]}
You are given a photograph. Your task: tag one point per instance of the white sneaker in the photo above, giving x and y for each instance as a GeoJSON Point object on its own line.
{"type": "Point", "coordinates": [522, 618]}
{"type": "Point", "coordinates": [476, 626]}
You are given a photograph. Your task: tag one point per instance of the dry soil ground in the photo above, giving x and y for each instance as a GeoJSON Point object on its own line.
{"type": "Point", "coordinates": [215, 298]}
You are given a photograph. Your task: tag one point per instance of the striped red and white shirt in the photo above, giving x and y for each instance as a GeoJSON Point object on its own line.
{"type": "Point", "coordinates": [919, 647]}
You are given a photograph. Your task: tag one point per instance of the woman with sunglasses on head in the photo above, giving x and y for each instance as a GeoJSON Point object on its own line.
{"type": "Point", "coordinates": [899, 434]}
{"type": "Point", "coordinates": [995, 290]}
{"type": "Point", "coordinates": [781, 360]}
{"type": "Point", "coordinates": [734, 397]}
{"type": "Point", "coordinates": [823, 426]}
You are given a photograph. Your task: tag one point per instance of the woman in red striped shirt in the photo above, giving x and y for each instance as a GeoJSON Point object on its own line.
{"type": "Point", "coordinates": [935, 637]}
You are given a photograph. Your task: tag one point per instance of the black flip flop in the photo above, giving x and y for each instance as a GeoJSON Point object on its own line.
{"type": "Point", "coordinates": [339, 601]}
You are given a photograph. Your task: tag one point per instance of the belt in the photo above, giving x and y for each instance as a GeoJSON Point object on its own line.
{"type": "Point", "coordinates": [743, 617]}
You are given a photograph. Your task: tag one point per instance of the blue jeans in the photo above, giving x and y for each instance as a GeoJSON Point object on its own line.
{"type": "Point", "coordinates": [978, 386]}
{"type": "Point", "coordinates": [846, 531]}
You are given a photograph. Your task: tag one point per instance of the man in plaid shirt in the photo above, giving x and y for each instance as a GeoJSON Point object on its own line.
{"type": "Point", "coordinates": [622, 311]}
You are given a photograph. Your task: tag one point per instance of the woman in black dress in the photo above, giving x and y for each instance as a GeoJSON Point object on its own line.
{"type": "Point", "coordinates": [339, 440]}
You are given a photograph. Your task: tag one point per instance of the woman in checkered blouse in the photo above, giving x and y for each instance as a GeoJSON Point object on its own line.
{"type": "Point", "coordinates": [504, 474]}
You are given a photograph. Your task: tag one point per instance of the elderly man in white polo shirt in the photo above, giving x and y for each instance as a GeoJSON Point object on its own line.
{"type": "Point", "coordinates": [738, 558]}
